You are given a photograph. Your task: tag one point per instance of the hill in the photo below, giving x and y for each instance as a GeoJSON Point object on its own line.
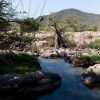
{"type": "Point", "coordinates": [88, 18]}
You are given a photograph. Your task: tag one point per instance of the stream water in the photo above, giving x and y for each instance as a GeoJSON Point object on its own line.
{"type": "Point", "coordinates": [71, 86]}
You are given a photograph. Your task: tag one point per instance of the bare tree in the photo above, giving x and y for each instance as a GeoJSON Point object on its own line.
{"type": "Point", "coordinates": [58, 27]}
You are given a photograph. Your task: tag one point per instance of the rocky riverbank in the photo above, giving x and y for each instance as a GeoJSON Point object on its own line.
{"type": "Point", "coordinates": [35, 82]}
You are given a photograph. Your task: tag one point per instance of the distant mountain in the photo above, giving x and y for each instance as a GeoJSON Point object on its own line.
{"type": "Point", "coordinates": [88, 18]}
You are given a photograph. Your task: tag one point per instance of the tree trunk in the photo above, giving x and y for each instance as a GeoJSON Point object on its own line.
{"type": "Point", "coordinates": [58, 39]}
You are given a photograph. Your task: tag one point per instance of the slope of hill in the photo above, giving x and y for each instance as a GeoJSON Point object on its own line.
{"type": "Point", "coordinates": [88, 18]}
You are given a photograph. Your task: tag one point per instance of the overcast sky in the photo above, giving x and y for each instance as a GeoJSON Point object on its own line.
{"type": "Point", "coordinates": [34, 7]}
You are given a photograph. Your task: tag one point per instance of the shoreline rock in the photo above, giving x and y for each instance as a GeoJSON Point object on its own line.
{"type": "Point", "coordinates": [30, 82]}
{"type": "Point", "coordinates": [91, 75]}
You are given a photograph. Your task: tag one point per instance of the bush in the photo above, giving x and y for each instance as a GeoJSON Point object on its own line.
{"type": "Point", "coordinates": [18, 63]}
{"type": "Point", "coordinates": [50, 40]}
{"type": "Point", "coordinates": [71, 44]}
{"type": "Point", "coordinates": [29, 25]}
{"type": "Point", "coordinates": [92, 57]}
{"type": "Point", "coordinates": [84, 60]}
{"type": "Point", "coordinates": [92, 28]}
{"type": "Point", "coordinates": [95, 44]}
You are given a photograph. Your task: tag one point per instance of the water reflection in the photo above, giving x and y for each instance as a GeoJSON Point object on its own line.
{"type": "Point", "coordinates": [71, 88]}
{"type": "Point", "coordinates": [29, 96]}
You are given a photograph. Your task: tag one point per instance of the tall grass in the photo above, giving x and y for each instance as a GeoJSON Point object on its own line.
{"type": "Point", "coordinates": [18, 63]}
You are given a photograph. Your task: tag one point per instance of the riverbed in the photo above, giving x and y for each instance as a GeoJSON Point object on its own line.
{"type": "Point", "coordinates": [71, 87]}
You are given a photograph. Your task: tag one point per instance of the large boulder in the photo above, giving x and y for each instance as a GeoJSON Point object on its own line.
{"type": "Point", "coordinates": [91, 75]}
{"type": "Point", "coordinates": [50, 53]}
{"type": "Point", "coordinates": [54, 53]}
{"type": "Point", "coordinates": [34, 82]}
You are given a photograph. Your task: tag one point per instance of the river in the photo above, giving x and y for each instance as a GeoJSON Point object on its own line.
{"type": "Point", "coordinates": [71, 86]}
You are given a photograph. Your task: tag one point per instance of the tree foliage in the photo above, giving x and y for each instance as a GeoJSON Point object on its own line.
{"type": "Point", "coordinates": [29, 25]}
{"type": "Point", "coordinates": [91, 28]}
{"type": "Point", "coordinates": [6, 13]}
{"type": "Point", "coordinates": [13, 40]}
{"type": "Point", "coordinates": [73, 23]}
{"type": "Point", "coordinates": [3, 22]}
{"type": "Point", "coordinates": [61, 26]}
{"type": "Point", "coordinates": [52, 20]}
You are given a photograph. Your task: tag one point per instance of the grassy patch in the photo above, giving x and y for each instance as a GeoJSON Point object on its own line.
{"type": "Point", "coordinates": [88, 60]}
{"type": "Point", "coordinates": [84, 60]}
{"type": "Point", "coordinates": [93, 57]}
{"type": "Point", "coordinates": [18, 63]}
{"type": "Point", "coordinates": [95, 44]}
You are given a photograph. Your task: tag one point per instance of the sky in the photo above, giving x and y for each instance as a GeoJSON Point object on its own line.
{"type": "Point", "coordinates": [34, 8]}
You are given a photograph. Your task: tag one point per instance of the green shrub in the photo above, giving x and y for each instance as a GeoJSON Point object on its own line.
{"type": "Point", "coordinates": [91, 57]}
{"type": "Point", "coordinates": [18, 62]}
{"type": "Point", "coordinates": [50, 40]}
{"type": "Point", "coordinates": [95, 44]}
{"type": "Point", "coordinates": [94, 57]}
{"type": "Point", "coordinates": [29, 25]}
{"type": "Point", "coordinates": [92, 28]}
{"type": "Point", "coordinates": [71, 44]}
{"type": "Point", "coordinates": [85, 60]}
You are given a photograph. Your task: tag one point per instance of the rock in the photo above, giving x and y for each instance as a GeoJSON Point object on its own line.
{"type": "Point", "coordinates": [41, 43]}
{"type": "Point", "coordinates": [30, 82]}
{"type": "Point", "coordinates": [70, 52]}
{"type": "Point", "coordinates": [50, 53]}
{"type": "Point", "coordinates": [61, 52]}
{"type": "Point", "coordinates": [91, 75]}
{"type": "Point", "coordinates": [35, 53]}
{"type": "Point", "coordinates": [54, 53]}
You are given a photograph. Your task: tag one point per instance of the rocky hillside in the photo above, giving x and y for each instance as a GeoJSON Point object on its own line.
{"type": "Point", "coordinates": [88, 18]}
